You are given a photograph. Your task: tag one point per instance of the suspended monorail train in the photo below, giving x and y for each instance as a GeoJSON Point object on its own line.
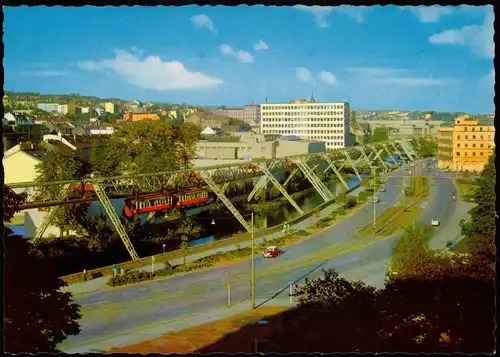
{"type": "Point", "coordinates": [162, 201]}
{"type": "Point", "coordinates": [152, 202]}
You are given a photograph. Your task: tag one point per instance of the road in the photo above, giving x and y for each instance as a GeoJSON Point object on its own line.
{"type": "Point", "coordinates": [140, 312]}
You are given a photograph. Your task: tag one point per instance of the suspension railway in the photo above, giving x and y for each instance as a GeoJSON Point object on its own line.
{"type": "Point", "coordinates": [151, 192]}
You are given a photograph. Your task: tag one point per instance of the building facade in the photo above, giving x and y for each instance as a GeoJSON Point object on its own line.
{"type": "Point", "coordinates": [250, 114]}
{"type": "Point", "coordinates": [109, 107]}
{"type": "Point", "coordinates": [466, 145]}
{"type": "Point", "coordinates": [53, 107]}
{"type": "Point", "coordinates": [327, 122]}
{"type": "Point", "coordinates": [143, 116]}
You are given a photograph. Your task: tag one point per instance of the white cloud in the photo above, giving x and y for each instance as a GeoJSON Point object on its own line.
{"type": "Point", "coordinates": [260, 46]}
{"type": "Point", "coordinates": [328, 78]}
{"type": "Point", "coordinates": [478, 38]}
{"type": "Point", "coordinates": [321, 13]}
{"type": "Point", "coordinates": [241, 56]}
{"type": "Point", "coordinates": [376, 71]}
{"type": "Point", "coordinates": [429, 14]}
{"type": "Point", "coordinates": [203, 21]}
{"type": "Point", "coordinates": [45, 74]}
{"type": "Point", "coordinates": [487, 82]}
{"type": "Point", "coordinates": [413, 81]}
{"type": "Point", "coordinates": [303, 74]}
{"type": "Point", "coordinates": [152, 72]}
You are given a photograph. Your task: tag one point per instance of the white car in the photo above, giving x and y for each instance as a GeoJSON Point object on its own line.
{"type": "Point", "coordinates": [435, 223]}
{"type": "Point", "coordinates": [382, 189]}
{"type": "Point", "coordinates": [375, 199]}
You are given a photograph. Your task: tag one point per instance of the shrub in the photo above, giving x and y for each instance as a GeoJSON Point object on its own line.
{"type": "Point", "coordinates": [169, 269]}
{"type": "Point", "coordinates": [350, 202]}
{"type": "Point", "coordinates": [302, 233]}
{"type": "Point", "coordinates": [130, 278]}
{"type": "Point", "coordinates": [341, 211]}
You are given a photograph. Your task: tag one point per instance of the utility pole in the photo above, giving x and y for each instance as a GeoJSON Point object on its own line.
{"type": "Point", "coordinates": [252, 282]}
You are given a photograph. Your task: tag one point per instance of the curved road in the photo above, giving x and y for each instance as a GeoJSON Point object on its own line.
{"type": "Point", "coordinates": [141, 312]}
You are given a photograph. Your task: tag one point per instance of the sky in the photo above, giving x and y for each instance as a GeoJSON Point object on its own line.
{"type": "Point", "coordinates": [377, 58]}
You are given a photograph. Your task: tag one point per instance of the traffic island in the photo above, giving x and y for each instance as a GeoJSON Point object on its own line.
{"type": "Point", "coordinates": [394, 219]}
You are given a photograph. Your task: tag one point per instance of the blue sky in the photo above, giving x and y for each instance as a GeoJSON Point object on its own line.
{"type": "Point", "coordinates": [388, 57]}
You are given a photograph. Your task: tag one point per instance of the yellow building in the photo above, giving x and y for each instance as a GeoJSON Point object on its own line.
{"type": "Point", "coordinates": [466, 145]}
{"type": "Point", "coordinates": [109, 107]}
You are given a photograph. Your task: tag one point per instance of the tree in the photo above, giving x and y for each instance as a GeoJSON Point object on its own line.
{"type": "Point", "coordinates": [37, 315]}
{"type": "Point", "coordinates": [11, 203]}
{"type": "Point", "coordinates": [63, 166]}
{"type": "Point", "coordinates": [428, 147]}
{"type": "Point", "coordinates": [379, 134]}
{"type": "Point", "coordinates": [481, 224]}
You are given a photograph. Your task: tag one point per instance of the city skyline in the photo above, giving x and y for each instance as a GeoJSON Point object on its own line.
{"type": "Point", "coordinates": [377, 58]}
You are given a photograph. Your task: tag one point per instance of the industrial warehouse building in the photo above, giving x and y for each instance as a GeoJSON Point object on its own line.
{"type": "Point", "coordinates": [253, 146]}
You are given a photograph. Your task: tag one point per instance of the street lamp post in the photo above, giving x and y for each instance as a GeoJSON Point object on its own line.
{"type": "Point", "coordinates": [252, 282]}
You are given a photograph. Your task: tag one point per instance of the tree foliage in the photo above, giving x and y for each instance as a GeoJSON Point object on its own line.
{"type": "Point", "coordinates": [379, 134]}
{"type": "Point", "coordinates": [60, 166]}
{"type": "Point", "coordinates": [37, 315]}
{"type": "Point", "coordinates": [150, 146]}
{"type": "Point", "coordinates": [481, 224]}
{"type": "Point", "coordinates": [11, 203]}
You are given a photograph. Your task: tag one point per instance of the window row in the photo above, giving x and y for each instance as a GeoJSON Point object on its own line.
{"type": "Point", "coordinates": [302, 106]}
{"type": "Point", "coordinates": [490, 137]}
{"type": "Point", "coordinates": [301, 113]}
{"type": "Point", "coordinates": [481, 153]}
{"type": "Point", "coordinates": [474, 145]}
{"type": "Point", "coordinates": [305, 131]}
{"type": "Point", "coordinates": [480, 128]}
{"type": "Point", "coordinates": [303, 125]}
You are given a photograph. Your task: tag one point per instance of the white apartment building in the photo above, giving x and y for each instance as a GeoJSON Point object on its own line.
{"type": "Point", "coordinates": [53, 107]}
{"type": "Point", "coordinates": [328, 122]}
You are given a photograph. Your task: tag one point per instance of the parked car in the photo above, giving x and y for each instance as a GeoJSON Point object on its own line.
{"type": "Point", "coordinates": [375, 199]}
{"type": "Point", "coordinates": [435, 223]}
{"type": "Point", "coordinates": [271, 252]}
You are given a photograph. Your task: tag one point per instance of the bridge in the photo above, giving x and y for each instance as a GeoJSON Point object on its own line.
{"type": "Point", "coordinates": [217, 179]}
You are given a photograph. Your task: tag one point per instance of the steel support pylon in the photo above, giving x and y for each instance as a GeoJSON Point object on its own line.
{"type": "Point", "coordinates": [390, 154]}
{"type": "Point", "coordinates": [289, 178]}
{"type": "Point", "coordinates": [261, 184]}
{"type": "Point", "coordinates": [346, 154]}
{"type": "Point", "coordinates": [367, 159]}
{"type": "Point", "coordinates": [210, 182]}
{"type": "Point", "coordinates": [108, 207]}
{"type": "Point", "coordinates": [332, 165]}
{"type": "Point", "coordinates": [315, 182]}
{"type": "Point", "coordinates": [407, 152]}
{"type": "Point", "coordinates": [50, 216]}
{"type": "Point", "coordinates": [224, 187]}
{"type": "Point", "coordinates": [397, 151]}
{"type": "Point", "coordinates": [282, 190]}
{"type": "Point", "coordinates": [150, 217]}
{"type": "Point", "coordinates": [377, 156]}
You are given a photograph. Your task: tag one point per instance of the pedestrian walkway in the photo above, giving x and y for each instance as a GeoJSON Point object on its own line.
{"type": "Point", "coordinates": [99, 284]}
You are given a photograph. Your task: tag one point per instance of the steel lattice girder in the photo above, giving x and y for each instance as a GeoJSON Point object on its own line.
{"type": "Point", "coordinates": [128, 185]}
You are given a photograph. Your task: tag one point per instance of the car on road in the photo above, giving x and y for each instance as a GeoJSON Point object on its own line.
{"type": "Point", "coordinates": [375, 199]}
{"type": "Point", "coordinates": [435, 222]}
{"type": "Point", "coordinates": [271, 252]}
{"type": "Point", "coordinates": [382, 189]}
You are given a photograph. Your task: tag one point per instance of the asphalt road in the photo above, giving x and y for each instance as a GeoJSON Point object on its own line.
{"type": "Point", "coordinates": [135, 313]}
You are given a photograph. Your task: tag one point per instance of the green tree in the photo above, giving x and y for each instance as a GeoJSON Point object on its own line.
{"type": "Point", "coordinates": [11, 203]}
{"type": "Point", "coordinates": [37, 315]}
{"type": "Point", "coordinates": [379, 134]}
{"type": "Point", "coordinates": [63, 166]}
{"type": "Point", "coordinates": [480, 227]}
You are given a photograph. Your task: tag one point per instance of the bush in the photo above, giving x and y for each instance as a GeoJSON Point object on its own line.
{"type": "Point", "coordinates": [350, 202]}
{"type": "Point", "coordinates": [341, 211]}
{"type": "Point", "coordinates": [169, 269]}
{"type": "Point", "coordinates": [130, 278]}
